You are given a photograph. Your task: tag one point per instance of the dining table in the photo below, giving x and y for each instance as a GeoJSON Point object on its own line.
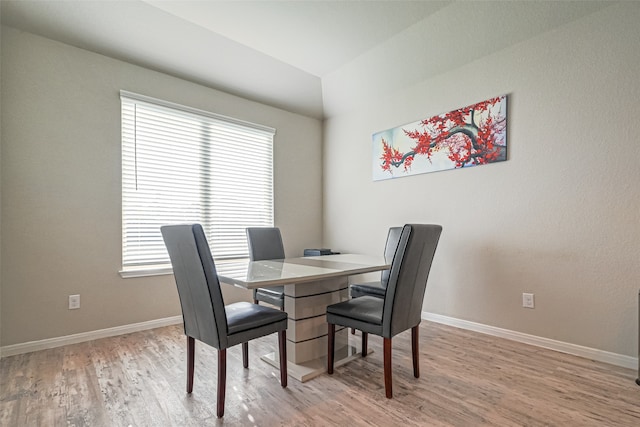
{"type": "Point", "coordinates": [311, 283]}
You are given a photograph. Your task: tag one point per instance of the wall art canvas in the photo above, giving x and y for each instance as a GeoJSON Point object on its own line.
{"type": "Point", "coordinates": [470, 136]}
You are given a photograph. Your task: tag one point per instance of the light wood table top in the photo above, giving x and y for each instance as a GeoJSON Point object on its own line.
{"type": "Point", "coordinates": [261, 274]}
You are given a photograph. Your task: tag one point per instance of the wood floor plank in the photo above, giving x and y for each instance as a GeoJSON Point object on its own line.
{"type": "Point", "coordinates": [467, 379]}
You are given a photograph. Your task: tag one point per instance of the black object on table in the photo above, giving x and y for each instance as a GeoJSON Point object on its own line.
{"type": "Point", "coordinates": [319, 252]}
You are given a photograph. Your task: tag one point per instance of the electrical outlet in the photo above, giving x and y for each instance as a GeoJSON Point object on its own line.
{"type": "Point", "coordinates": [74, 302]}
{"type": "Point", "coordinates": [527, 300]}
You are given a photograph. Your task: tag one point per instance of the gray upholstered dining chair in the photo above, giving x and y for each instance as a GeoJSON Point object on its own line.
{"type": "Point", "coordinates": [401, 307]}
{"type": "Point", "coordinates": [379, 288]}
{"type": "Point", "coordinates": [206, 318]}
{"type": "Point", "coordinates": [266, 243]}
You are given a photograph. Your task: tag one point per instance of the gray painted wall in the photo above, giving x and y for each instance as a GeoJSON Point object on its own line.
{"type": "Point", "coordinates": [560, 218]}
{"type": "Point", "coordinates": [61, 220]}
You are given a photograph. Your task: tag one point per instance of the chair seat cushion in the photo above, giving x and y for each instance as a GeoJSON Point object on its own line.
{"type": "Point", "coordinates": [273, 292]}
{"type": "Point", "coordinates": [374, 289]}
{"type": "Point", "coordinates": [273, 295]}
{"type": "Point", "coordinates": [242, 316]}
{"type": "Point", "coordinates": [365, 309]}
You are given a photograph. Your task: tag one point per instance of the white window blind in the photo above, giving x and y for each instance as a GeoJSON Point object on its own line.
{"type": "Point", "coordinates": [182, 165]}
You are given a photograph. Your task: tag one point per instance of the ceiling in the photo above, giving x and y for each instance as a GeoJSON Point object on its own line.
{"type": "Point", "coordinates": [315, 36]}
{"type": "Point", "coordinates": [274, 52]}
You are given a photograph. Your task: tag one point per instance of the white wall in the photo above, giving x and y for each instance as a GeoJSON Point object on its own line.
{"type": "Point", "coordinates": [560, 218]}
{"type": "Point", "coordinates": [61, 203]}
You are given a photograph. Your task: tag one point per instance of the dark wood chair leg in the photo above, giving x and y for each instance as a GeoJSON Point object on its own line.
{"type": "Point", "coordinates": [387, 368]}
{"type": "Point", "coordinates": [222, 380]}
{"type": "Point", "coordinates": [255, 301]}
{"type": "Point", "coordinates": [331, 337]}
{"type": "Point", "coordinates": [245, 354]}
{"type": "Point", "coordinates": [282, 344]}
{"type": "Point", "coordinates": [415, 350]}
{"type": "Point", "coordinates": [353, 331]}
{"type": "Point", "coordinates": [365, 337]}
{"type": "Point", "coordinates": [191, 347]}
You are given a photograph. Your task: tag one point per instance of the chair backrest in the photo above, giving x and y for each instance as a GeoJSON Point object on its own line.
{"type": "Point", "coordinates": [408, 278]}
{"type": "Point", "coordinates": [201, 299]}
{"type": "Point", "coordinates": [265, 243]}
{"type": "Point", "coordinates": [393, 238]}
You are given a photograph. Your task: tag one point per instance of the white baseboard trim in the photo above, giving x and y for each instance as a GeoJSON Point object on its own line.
{"type": "Point", "coordinates": [28, 347]}
{"type": "Point", "coordinates": [576, 350]}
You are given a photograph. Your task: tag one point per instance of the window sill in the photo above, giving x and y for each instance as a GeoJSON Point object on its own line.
{"type": "Point", "coordinates": [162, 270]}
{"type": "Point", "coordinates": [144, 272]}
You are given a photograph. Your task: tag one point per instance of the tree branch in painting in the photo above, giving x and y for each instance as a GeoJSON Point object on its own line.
{"type": "Point", "coordinates": [473, 135]}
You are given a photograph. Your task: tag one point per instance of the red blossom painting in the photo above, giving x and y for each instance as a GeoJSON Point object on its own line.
{"type": "Point", "coordinates": [469, 136]}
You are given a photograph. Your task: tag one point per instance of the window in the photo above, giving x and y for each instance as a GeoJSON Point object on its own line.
{"type": "Point", "coordinates": [182, 165]}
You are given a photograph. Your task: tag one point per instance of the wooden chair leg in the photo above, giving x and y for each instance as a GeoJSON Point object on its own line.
{"type": "Point", "coordinates": [353, 331]}
{"type": "Point", "coordinates": [191, 346]}
{"type": "Point", "coordinates": [255, 301]}
{"type": "Point", "coordinates": [387, 368]}
{"type": "Point", "coordinates": [415, 350]}
{"type": "Point", "coordinates": [222, 380]}
{"type": "Point", "coordinates": [331, 337]}
{"type": "Point", "coordinates": [282, 343]}
{"type": "Point", "coordinates": [245, 354]}
{"type": "Point", "coordinates": [365, 337]}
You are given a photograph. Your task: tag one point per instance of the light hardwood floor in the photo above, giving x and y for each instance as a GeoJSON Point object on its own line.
{"type": "Point", "coordinates": [467, 379]}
